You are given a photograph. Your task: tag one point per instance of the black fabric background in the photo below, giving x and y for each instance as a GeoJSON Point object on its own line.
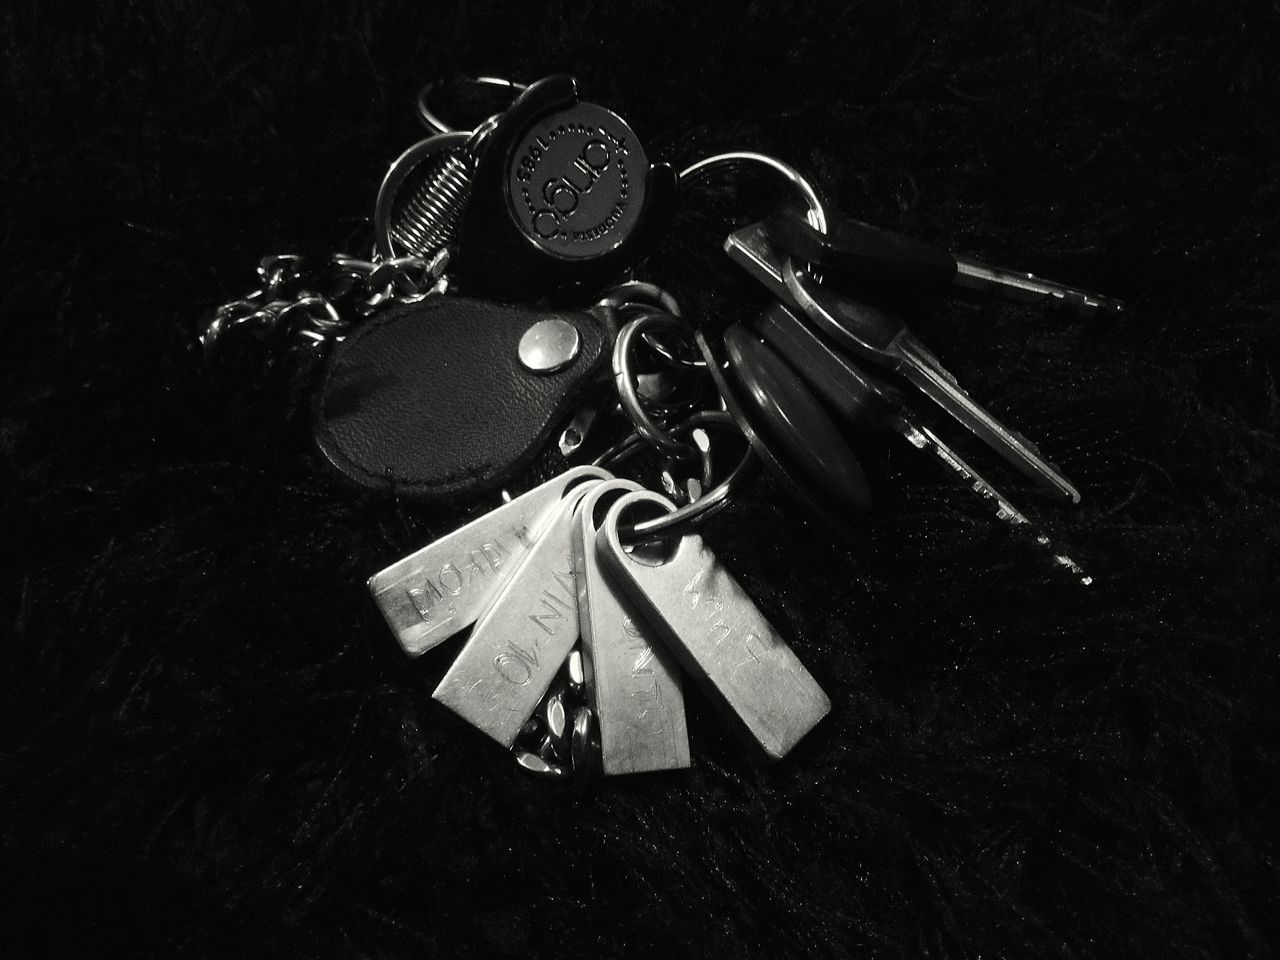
{"type": "Point", "coordinates": [210, 746]}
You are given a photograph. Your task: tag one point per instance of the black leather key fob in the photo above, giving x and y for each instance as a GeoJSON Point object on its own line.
{"type": "Point", "coordinates": [433, 401]}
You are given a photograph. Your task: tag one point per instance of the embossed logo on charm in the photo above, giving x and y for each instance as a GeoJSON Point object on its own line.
{"type": "Point", "coordinates": [577, 181]}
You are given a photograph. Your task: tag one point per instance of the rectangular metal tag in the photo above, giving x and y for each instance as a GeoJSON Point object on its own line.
{"type": "Point", "coordinates": [718, 634]}
{"type": "Point", "coordinates": [433, 593]}
{"type": "Point", "coordinates": [633, 686]}
{"type": "Point", "coordinates": [521, 640]}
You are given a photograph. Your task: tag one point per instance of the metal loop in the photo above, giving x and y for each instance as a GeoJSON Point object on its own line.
{"type": "Point", "coordinates": [321, 315]}
{"type": "Point", "coordinates": [684, 519]}
{"type": "Point", "coordinates": [411, 277]}
{"type": "Point", "coordinates": [278, 270]}
{"type": "Point", "coordinates": [642, 293]}
{"type": "Point", "coordinates": [625, 382]}
{"type": "Point", "coordinates": [432, 121]}
{"type": "Point", "coordinates": [817, 213]}
{"type": "Point", "coordinates": [639, 293]}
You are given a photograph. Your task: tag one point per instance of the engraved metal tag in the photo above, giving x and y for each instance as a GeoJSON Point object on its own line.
{"type": "Point", "coordinates": [633, 685]}
{"type": "Point", "coordinates": [521, 640]}
{"type": "Point", "coordinates": [442, 588]}
{"type": "Point", "coordinates": [718, 635]}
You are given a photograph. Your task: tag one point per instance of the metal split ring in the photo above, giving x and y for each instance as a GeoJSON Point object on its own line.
{"type": "Point", "coordinates": [431, 120]}
{"type": "Point", "coordinates": [684, 519]}
{"type": "Point", "coordinates": [625, 381]}
{"type": "Point", "coordinates": [639, 293]}
{"type": "Point", "coordinates": [817, 213]}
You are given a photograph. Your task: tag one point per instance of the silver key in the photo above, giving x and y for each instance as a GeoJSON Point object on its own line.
{"type": "Point", "coordinates": [869, 254]}
{"type": "Point", "coordinates": [719, 636]}
{"type": "Point", "coordinates": [519, 643]}
{"type": "Point", "coordinates": [882, 339]}
{"type": "Point", "coordinates": [1028, 288]}
{"type": "Point", "coordinates": [433, 593]}
{"type": "Point", "coordinates": [633, 687]}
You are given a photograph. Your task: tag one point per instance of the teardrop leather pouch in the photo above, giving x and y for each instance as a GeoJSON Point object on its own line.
{"type": "Point", "coordinates": [430, 399]}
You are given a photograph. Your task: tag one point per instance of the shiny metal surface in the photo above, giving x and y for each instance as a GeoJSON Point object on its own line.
{"type": "Point", "coordinates": [528, 760]}
{"type": "Point", "coordinates": [576, 672]}
{"type": "Point", "coordinates": [583, 748]}
{"type": "Point", "coordinates": [549, 345]}
{"type": "Point", "coordinates": [633, 686]}
{"type": "Point", "coordinates": [520, 641]}
{"type": "Point", "coordinates": [434, 592]}
{"type": "Point", "coordinates": [717, 634]}
{"type": "Point", "coordinates": [1028, 288]}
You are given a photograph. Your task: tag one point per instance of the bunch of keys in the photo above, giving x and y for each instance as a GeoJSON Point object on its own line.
{"type": "Point", "coordinates": [499, 311]}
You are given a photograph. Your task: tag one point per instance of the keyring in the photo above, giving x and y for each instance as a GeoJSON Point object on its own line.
{"type": "Point", "coordinates": [817, 215]}
{"type": "Point", "coordinates": [640, 293]}
{"type": "Point", "coordinates": [625, 382]}
{"type": "Point", "coordinates": [431, 120]}
{"type": "Point", "coordinates": [683, 519]}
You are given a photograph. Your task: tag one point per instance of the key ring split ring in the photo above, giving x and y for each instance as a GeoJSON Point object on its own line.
{"type": "Point", "coordinates": [625, 382]}
{"type": "Point", "coordinates": [684, 519]}
{"type": "Point", "coordinates": [640, 293]}
{"type": "Point", "coordinates": [431, 120]}
{"type": "Point", "coordinates": [817, 215]}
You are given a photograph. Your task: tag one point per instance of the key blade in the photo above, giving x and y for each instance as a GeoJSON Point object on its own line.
{"type": "Point", "coordinates": [719, 636]}
{"type": "Point", "coordinates": [923, 370]}
{"type": "Point", "coordinates": [434, 592]}
{"type": "Point", "coordinates": [925, 440]}
{"type": "Point", "coordinates": [519, 643]}
{"type": "Point", "coordinates": [1028, 288]}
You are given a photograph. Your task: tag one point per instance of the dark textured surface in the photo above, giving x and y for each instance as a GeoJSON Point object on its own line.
{"type": "Point", "coordinates": [211, 748]}
{"type": "Point", "coordinates": [431, 400]}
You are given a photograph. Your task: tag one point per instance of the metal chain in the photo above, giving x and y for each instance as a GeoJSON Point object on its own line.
{"type": "Point", "coordinates": [309, 305]}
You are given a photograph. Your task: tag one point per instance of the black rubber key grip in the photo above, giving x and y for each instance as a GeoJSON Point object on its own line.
{"type": "Point", "coordinates": [865, 254]}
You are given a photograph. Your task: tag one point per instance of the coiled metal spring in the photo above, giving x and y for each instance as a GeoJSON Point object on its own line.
{"type": "Point", "coordinates": [434, 197]}
{"type": "Point", "coordinates": [425, 192]}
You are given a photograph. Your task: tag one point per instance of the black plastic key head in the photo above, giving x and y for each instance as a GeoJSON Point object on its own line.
{"type": "Point", "coordinates": [564, 196]}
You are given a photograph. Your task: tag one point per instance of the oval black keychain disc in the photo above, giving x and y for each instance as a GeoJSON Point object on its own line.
{"type": "Point", "coordinates": [791, 414]}
{"type": "Point", "coordinates": [767, 452]}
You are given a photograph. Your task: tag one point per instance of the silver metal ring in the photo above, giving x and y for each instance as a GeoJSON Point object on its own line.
{"type": "Point", "coordinates": [684, 519]}
{"type": "Point", "coordinates": [639, 293]}
{"type": "Point", "coordinates": [625, 382]}
{"type": "Point", "coordinates": [817, 213]}
{"type": "Point", "coordinates": [432, 121]}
